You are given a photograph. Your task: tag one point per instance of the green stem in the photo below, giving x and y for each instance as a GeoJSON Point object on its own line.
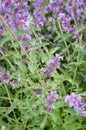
{"type": "Point", "coordinates": [64, 40]}
{"type": "Point", "coordinates": [61, 83]}
{"type": "Point", "coordinates": [39, 39]}
{"type": "Point", "coordinates": [10, 100]}
{"type": "Point", "coordinates": [75, 72]}
{"type": "Point", "coordinates": [21, 124]}
{"type": "Point", "coordinates": [7, 59]}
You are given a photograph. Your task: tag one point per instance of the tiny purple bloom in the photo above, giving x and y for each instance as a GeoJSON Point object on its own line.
{"type": "Point", "coordinates": [83, 47]}
{"type": "Point", "coordinates": [85, 78]}
{"type": "Point", "coordinates": [34, 106]}
{"type": "Point", "coordinates": [76, 35]}
{"type": "Point", "coordinates": [3, 128]}
{"type": "Point", "coordinates": [37, 91]}
{"type": "Point", "coordinates": [24, 60]}
{"type": "Point", "coordinates": [5, 78]}
{"type": "Point", "coordinates": [13, 83]}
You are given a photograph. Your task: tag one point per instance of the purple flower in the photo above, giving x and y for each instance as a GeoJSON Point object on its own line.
{"type": "Point", "coordinates": [28, 50]}
{"type": "Point", "coordinates": [61, 16]}
{"type": "Point", "coordinates": [50, 108]}
{"type": "Point", "coordinates": [76, 35]}
{"type": "Point", "coordinates": [57, 59]}
{"type": "Point", "coordinates": [77, 103]}
{"type": "Point", "coordinates": [75, 8]}
{"type": "Point", "coordinates": [48, 73]}
{"type": "Point", "coordinates": [19, 14]}
{"type": "Point", "coordinates": [3, 128]}
{"type": "Point", "coordinates": [1, 73]}
{"type": "Point", "coordinates": [1, 32]}
{"type": "Point", "coordinates": [50, 28]}
{"type": "Point", "coordinates": [51, 98]}
{"type": "Point", "coordinates": [53, 63]}
{"type": "Point", "coordinates": [83, 113]}
{"type": "Point", "coordinates": [66, 21]}
{"type": "Point", "coordinates": [24, 60]}
{"type": "Point", "coordinates": [83, 47]}
{"type": "Point", "coordinates": [34, 106]}
{"type": "Point", "coordinates": [67, 98]}
{"type": "Point", "coordinates": [13, 83]}
{"type": "Point", "coordinates": [5, 78]}
{"type": "Point", "coordinates": [1, 52]}
{"type": "Point", "coordinates": [16, 14]}
{"type": "Point", "coordinates": [37, 91]}
{"type": "Point", "coordinates": [85, 78]}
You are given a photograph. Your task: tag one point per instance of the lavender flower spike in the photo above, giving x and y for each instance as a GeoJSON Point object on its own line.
{"type": "Point", "coordinates": [51, 98]}
{"type": "Point", "coordinates": [77, 103]}
{"type": "Point", "coordinates": [5, 78]}
{"type": "Point", "coordinates": [53, 63]}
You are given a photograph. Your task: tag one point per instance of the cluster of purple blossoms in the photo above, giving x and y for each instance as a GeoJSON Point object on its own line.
{"type": "Point", "coordinates": [43, 8]}
{"type": "Point", "coordinates": [51, 98]}
{"type": "Point", "coordinates": [38, 12]}
{"type": "Point", "coordinates": [53, 63]}
{"type": "Point", "coordinates": [73, 11]}
{"type": "Point", "coordinates": [77, 102]}
{"type": "Point", "coordinates": [66, 25]}
{"type": "Point", "coordinates": [5, 78]}
{"type": "Point", "coordinates": [16, 14]}
{"type": "Point", "coordinates": [19, 16]}
{"type": "Point", "coordinates": [65, 19]}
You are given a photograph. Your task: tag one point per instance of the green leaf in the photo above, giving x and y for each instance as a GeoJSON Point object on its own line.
{"type": "Point", "coordinates": [60, 104]}
{"type": "Point", "coordinates": [39, 46]}
{"type": "Point", "coordinates": [52, 51]}
{"type": "Point", "coordinates": [21, 33]}
{"type": "Point", "coordinates": [83, 94]}
{"type": "Point", "coordinates": [69, 110]}
{"type": "Point", "coordinates": [66, 77]}
{"type": "Point", "coordinates": [73, 126]}
{"type": "Point", "coordinates": [43, 123]}
{"type": "Point", "coordinates": [54, 117]}
{"type": "Point", "coordinates": [3, 40]}
{"type": "Point", "coordinates": [16, 127]}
